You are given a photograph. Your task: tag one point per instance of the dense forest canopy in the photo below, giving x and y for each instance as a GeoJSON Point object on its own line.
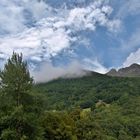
{"type": "Point", "coordinates": [93, 107]}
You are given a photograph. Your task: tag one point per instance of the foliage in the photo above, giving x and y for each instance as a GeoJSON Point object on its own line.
{"type": "Point", "coordinates": [93, 107]}
{"type": "Point", "coordinates": [58, 126]}
{"type": "Point", "coordinates": [18, 119]}
{"type": "Point", "coordinates": [114, 103]}
{"type": "Point", "coordinates": [86, 91]}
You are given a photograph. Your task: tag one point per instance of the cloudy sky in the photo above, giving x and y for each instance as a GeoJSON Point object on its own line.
{"type": "Point", "coordinates": [96, 34]}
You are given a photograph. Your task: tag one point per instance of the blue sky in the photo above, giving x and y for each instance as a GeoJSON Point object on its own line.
{"type": "Point", "coordinates": [96, 34]}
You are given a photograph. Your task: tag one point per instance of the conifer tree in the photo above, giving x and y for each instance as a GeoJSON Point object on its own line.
{"type": "Point", "coordinates": [15, 78]}
{"type": "Point", "coordinates": [19, 121]}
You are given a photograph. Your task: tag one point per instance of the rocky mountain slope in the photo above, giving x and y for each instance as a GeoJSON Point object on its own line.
{"type": "Point", "coordinates": [131, 71]}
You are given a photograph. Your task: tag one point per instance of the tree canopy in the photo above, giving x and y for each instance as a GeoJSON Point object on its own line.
{"type": "Point", "coordinates": [18, 119]}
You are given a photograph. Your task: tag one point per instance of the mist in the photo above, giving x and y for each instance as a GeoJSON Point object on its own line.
{"type": "Point", "coordinates": [49, 72]}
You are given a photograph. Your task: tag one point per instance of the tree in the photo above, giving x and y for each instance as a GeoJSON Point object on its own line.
{"type": "Point", "coordinates": [58, 126]}
{"type": "Point", "coordinates": [15, 78]}
{"type": "Point", "coordinates": [19, 120]}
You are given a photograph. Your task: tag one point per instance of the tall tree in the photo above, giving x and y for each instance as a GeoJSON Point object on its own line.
{"type": "Point", "coordinates": [19, 121]}
{"type": "Point", "coordinates": [15, 78]}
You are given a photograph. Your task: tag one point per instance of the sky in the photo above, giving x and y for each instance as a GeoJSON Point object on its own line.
{"type": "Point", "coordinates": [63, 34]}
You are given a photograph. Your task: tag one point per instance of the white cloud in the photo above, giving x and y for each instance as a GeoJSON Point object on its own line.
{"type": "Point", "coordinates": [36, 42]}
{"type": "Point", "coordinates": [91, 17]}
{"type": "Point", "coordinates": [54, 28]}
{"type": "Point", "coordinates": [81, 18]}
{"type": "Point", "coordinates": [49, 72]}
{"type": "Point", "coordinates": [134, 57]}
{"type": "Point", "coordinates": [94, 65]}
{"type": "Point", "coordinates": [38, 9]}
{"type": "Point", "coordinates": [11, 18]}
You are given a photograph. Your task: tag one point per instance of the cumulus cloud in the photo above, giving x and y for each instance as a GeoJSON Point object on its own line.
{"type": "Point", "coordinates": [49, 72]}
{"type": "Point", "coordinates": [16, 16]}
{"type": "Point", "coordinates": [52, 33]}
{"type": "Point", "coordinates": [36, 43]}
{"type": "Point", "coordinates": [41, 32]}
{"type": "Point", "coordinates": [92, 16]}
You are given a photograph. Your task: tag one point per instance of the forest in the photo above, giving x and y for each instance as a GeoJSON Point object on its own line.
{"type": "Point", "coordinates": [93, 107]}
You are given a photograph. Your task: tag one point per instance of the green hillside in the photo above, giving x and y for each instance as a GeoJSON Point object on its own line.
{"type": "Point", "coordinates": [87, 91]}
{"type": "Point", "coordinates": [94, 107]}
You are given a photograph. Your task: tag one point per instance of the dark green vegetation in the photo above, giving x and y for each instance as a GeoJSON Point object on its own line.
{"type": "Point", "coordinates": [18, 109]}
{"type": "Point", "coordinates": [94, 107]}
{"type": "Point", "coordinates": [114, 103]}
{"type": "Point", "coordinates": [87, 91]}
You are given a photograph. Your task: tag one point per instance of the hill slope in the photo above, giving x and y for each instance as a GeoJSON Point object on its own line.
{"type": "Point", "coordinates": [87, 91]}
{"type": "Point", "coordinates": [112, 107]}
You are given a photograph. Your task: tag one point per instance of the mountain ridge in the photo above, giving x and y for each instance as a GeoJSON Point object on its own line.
{"type": "Point", "coordinates": [130, 71]}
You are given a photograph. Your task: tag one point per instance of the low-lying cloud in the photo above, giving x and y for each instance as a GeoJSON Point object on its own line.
{"type": "Point", "coordinates": [49, 72]}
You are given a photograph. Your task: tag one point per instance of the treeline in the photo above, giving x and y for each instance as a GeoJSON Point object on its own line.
{"type": "Point", "coordinates": [94, 107]}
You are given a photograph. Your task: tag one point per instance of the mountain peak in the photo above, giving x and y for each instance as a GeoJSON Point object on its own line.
{"type": "Point", "coordinates": [135, 65]}
{"type": "Point", "coordinates": [131, 71]}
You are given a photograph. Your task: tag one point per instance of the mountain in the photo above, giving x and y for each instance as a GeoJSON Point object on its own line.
{"type": "Point", "coordinates": [86, 91]}
{"type": "Point", "coordinates": [101, 106]}
{"type": "Point", "coordinates": [131, 71]}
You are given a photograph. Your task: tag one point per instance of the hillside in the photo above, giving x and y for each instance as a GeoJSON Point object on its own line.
{"type": "Point", "coordinates": [87, 91]}
{"type": "Point", "coordinates": [102, 107]}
